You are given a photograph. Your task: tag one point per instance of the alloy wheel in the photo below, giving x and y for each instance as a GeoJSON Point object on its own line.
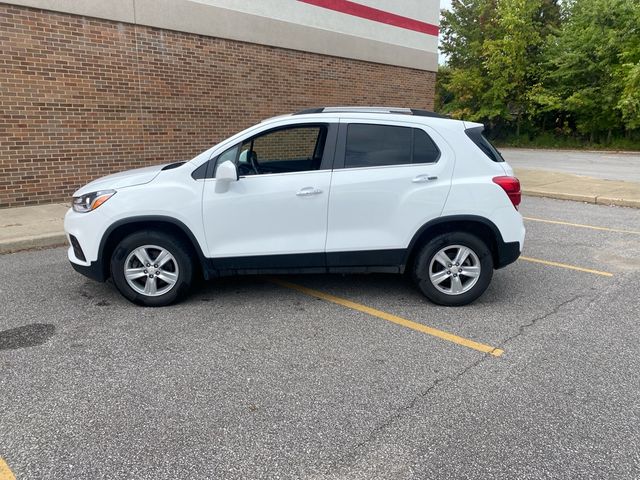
{"type": "Point", "coordinates": [151, 270]}
{"type": "Point", "coordinates": [454, 269]}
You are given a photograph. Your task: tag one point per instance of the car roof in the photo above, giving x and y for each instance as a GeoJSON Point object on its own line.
{"type": "Point", "coordinates": [380, 110]}
{"type": "Point", "coordinates": [370, 113]}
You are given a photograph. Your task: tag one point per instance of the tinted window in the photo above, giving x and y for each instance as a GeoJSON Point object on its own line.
{"type": "Point", "coordinates": [295, 149]}
{"type": "Point", "coordinates": [424, 150]}
{"type": "Point", "coordinates": [379, 145]}
{"type": "Point", "coordinates": [200, 172]}
{"type": "Point", "coordinates": [475, 134]}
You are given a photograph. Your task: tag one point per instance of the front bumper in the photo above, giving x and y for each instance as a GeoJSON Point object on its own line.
{"type": "Point", "coordinates": [84, 232]}
{"type": "Point", "coordinates": [93, 270]}
{"type": "Point", "coordinates": [88, 229]}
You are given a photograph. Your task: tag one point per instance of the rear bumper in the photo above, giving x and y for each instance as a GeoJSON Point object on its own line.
{"type": "Point", "coordinates": [508, 252]}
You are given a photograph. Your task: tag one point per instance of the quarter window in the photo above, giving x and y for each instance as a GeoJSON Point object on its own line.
{"type": "Point", "coordinates": [381, 145]}
{"type": "Point", "coordinates": [475, 134]}
{"type": "Point", "coordinates": [424, 150]}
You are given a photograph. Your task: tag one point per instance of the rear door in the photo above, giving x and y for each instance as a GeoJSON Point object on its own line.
{"type": "Point", "coordinates": [389, 179]}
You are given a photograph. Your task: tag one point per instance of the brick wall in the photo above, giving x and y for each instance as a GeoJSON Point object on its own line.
{"type": "Point", "coordinates": [81, 97]}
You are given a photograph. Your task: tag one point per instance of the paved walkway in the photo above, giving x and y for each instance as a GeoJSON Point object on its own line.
{"type": "Point", "coordinates": [623, 166]}
{"type": "Point", "coordinates": [30, 227]}
{"type": "Point", "coordinates": [41, 226]}
{"type": "Point", "coordinates": [566, 186]}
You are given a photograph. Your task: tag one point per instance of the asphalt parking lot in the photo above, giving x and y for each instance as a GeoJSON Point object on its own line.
{"type": "Point", "coordinates": [250, 378]}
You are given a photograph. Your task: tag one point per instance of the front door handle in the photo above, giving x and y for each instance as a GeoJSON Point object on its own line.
{"type": "Point", "coordinates": [424, 178]}
{"type": "Point", "coordinates": [308, 191]}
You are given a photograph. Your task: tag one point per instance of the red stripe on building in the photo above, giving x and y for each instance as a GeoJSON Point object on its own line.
{"type": "Point", "coordinates": [370, 13]}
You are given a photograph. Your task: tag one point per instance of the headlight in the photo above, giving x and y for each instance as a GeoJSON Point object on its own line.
{"type": "Point", "coordinates": [91, 201]}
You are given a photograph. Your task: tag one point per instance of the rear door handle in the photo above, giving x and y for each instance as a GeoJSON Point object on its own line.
{"type": "Point", "coordinates": [424, 178]}
{"type": "Point", "coordinates": [308, 191]}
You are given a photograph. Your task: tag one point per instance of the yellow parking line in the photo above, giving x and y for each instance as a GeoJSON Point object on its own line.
{"type": "Point", "coordinates": [580, 225]}
{"type": "Point", "coordinates": [5, 471]}
{"type": "Point", "coordinates": [496, 352]}
{"type": "Point", "coordinates": [565, 265]}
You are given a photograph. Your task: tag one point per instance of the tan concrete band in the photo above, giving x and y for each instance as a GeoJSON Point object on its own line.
{"type": "Point", "coordinates": [565, 186]}
{"type": "Point", "coordinates": [32, 227]}
{"type": "Point", "coordinates": [214, 21]}
{"type": "Point", "coordinates": [117, 10]}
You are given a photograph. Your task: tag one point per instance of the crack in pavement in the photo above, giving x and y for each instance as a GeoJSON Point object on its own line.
{"type": "Point", "coordinates": [535, 320]}
{"type": "Point", "coordinates": [347, 459]}
{"type": "Point", "coordinates": [404, 408]}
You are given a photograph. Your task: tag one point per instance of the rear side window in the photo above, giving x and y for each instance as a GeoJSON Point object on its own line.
{"type": "Point", "coordinates": [382, 145]}
{"type": "Point", "coordinates": [476, 136]}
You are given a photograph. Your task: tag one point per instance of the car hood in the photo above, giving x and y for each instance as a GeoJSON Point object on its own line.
{"type": "Point", "coordinates": [127, 178]}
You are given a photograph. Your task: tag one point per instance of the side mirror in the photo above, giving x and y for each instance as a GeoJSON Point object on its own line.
{"type": "Point", "coordinates": [227, 172]}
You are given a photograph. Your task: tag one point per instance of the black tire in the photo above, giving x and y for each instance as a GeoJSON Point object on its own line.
{"type": "Point", "coordinates": [181, 264]}
{"type": "Point", "coordinates": [423, 263]}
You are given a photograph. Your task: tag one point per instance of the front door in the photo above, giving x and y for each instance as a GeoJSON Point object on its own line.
{"type": "Point", "coordinates": [275, 215]}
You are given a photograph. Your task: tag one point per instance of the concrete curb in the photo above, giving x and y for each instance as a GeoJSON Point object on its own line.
{"type": "Point", "coordinates": [543, 149]}
{"type": "Point", "coordinates": [559, 196]}
{"type": "Point", "coordinates": [618, 202]}
{"type": "Point", "coordinates": [33, 241]}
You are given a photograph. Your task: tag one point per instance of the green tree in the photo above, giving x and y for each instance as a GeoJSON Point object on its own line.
{"type": "Point", "coordinates": [465, 28]}
{"type": "Point", "coordinates": [513, 60]}
{"type": "Point", "coordinates": [629, 72]}
{"type": "Point", "coordinates": [592, 70]}
{"type": "Point", "coordinates": [494, 50]}
{"type": "Point", "coordinates": [629, 104]}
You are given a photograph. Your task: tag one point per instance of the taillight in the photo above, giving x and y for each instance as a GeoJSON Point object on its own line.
{"type": "Point", "coordinates": [511, 186]}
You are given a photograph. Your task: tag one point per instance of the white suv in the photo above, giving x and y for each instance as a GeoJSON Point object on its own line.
{"type": "Point", "coordinates": [345, 189]}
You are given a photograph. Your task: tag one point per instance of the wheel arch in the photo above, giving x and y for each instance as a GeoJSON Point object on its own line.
{"type": "Point", "coordinates": [120, 229]}
{"type": "Point", "coordinates": [481, 227]}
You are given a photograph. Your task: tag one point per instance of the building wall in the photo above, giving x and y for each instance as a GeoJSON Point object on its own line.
{"type": "Point", "coordinates": [82, 97]}
{"type": "Point", "coordinates": [402, 33]}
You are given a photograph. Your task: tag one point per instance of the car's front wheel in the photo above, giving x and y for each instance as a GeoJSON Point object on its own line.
{"type": "Point", "coordinates": [453, 269]}
{"type": "Point", "coordinates": [152, 268]}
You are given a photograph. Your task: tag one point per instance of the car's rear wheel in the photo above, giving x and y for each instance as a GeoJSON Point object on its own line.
{"type": "Point", "coordinates": [152, 268]}
{"type": "Point", "coordinates": [453, 269]}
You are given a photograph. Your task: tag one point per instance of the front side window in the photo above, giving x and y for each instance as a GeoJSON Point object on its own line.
{"type": "Point", "coordinates": [382, 145]}
{"type": "Point", "coordinates": [294, 149]}
{"type": "Point", "coordinates": [285, 150]}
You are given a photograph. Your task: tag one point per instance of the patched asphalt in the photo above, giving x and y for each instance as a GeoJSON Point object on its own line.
{"type": "Point", "coordinates": [247, 379]}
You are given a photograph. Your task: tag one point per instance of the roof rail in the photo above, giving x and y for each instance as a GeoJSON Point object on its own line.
{"type": "Point", "coordinates": [390, 110]}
